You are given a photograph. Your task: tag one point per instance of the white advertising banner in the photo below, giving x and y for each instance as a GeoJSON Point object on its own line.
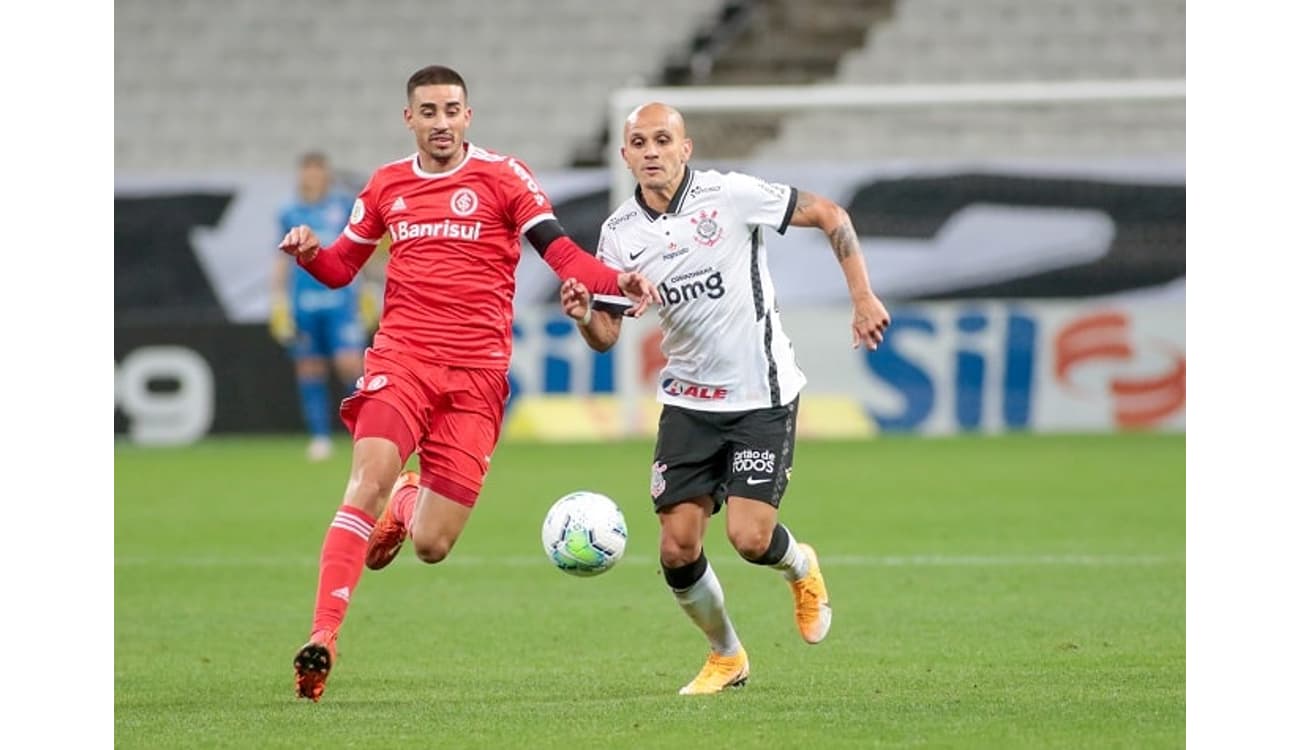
{"type": "Point", "coordinates": [1005, 366]}
{"type": "Point", "coordinates": [974, 366]}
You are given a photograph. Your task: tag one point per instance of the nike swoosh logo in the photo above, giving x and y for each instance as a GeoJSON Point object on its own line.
{"type": "Point", "coordinates": [634, 256]}
{"type": "Point", "coordinates": [752, 481]}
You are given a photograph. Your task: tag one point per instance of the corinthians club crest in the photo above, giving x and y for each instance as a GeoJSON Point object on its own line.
{"type": "Point", "coordinates": [657, 482]}
{"type": "Point", "coordinates": [707, 229]}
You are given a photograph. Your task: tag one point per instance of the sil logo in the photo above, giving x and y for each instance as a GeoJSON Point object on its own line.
{"type": "Point", "coordinates": [1105, 338]}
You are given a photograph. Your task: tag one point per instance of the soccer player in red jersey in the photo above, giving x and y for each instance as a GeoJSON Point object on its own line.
{"type": "Point", "coordinates": [435, 377]}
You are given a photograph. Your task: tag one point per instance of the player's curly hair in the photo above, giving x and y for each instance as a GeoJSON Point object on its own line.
{"type": "Point", "coordinates": [435, 75]}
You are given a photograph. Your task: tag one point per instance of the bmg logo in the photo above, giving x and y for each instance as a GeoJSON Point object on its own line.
{"type": "Point", "coordinates": [711, 287]}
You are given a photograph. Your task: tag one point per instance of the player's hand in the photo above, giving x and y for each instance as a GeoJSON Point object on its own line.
{"type": "Point", "coordinates": [870, 319]}
{"type": "Point", "coordinates": [301, 242]}
{"type": "Point", "coordinates": [281, 320]}
{"type": "Point", "coordinates": [636, 287]}
{"type": "Point", "coordinates": [575, 299]}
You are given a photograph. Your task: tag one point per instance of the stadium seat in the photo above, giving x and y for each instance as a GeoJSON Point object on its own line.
{"type": "Point", "coordinates": [947, 41]}
{"type": "Point", "coordinates": [179, 66]}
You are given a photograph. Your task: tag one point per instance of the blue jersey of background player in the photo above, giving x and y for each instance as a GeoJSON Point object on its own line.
{"type": "Point", "coordinates": [319, 325]}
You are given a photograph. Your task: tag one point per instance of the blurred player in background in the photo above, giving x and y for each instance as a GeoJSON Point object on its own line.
{"type": "Point", "coordinates": [319, 326]}
{"type": "Point", "coordinates": [730, 388]}
{"type": "Point", "coordinates": [435, 377]}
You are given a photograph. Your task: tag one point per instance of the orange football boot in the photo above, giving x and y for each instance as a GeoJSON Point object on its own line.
{"type": "Point", "coordinates": [719, 673]}
{"type": "Point", "coordinates": [313, 663]}
{"type": "Point", "coordinates": [812, 605]}
{"type": "Point", "coordinates": [388, 535]}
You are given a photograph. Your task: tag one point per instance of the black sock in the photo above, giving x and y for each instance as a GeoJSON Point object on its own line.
{"type": "Point", "coordinates": [680, 579]}
{"type": "Point", "coordinates": [776, 548]}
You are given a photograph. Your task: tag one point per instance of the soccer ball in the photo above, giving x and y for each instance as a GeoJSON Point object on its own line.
{"type": "Point", "coordinates": [584, 533]}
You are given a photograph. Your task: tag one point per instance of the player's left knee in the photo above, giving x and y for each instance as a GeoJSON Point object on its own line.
{"type": "Point", "coordinates": [432, 550]}
{"type": "Point", "coordinates": [750, 541]}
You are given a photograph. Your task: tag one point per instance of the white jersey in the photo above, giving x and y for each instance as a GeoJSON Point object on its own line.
{"type": "Point", "coordinates": [723, 339]}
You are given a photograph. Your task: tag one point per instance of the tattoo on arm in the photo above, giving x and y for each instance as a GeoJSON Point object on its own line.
{"type": "Point", "coordinates": [803, 207]}
{"type": "Point", "coordinates": [844, 241]}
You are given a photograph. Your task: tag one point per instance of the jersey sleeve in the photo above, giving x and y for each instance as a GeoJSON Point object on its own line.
{"type": "Point", "coordinates": [761, 202]}
{"type": "Point", "coordinates": [609, 253]}
{"type": "Point", "coordinates": [526, 205]}
{"type": "Point", "coordinates": [366, 225]}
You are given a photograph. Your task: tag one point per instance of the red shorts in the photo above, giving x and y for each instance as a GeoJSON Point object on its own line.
{"type": "Point", "coordinates": [452, 415]}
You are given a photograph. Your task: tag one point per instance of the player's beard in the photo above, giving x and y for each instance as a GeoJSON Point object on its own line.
{"type": "Point", "coordinates": [443, 152]}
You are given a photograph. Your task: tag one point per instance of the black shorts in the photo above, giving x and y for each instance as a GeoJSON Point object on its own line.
{"type": "Point", "coordinates": [723, 454]}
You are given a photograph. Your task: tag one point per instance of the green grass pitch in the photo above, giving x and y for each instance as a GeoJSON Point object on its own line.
{"type": "Point", "coordinates": [1007, 592]}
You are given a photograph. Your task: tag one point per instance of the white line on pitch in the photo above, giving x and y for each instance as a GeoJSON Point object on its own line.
{"type": "Point", "coordinates": [538, 560]}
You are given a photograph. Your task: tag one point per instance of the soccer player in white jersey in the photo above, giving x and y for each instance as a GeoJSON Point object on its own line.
{"type": "Point", "coordinates": [730, 388]}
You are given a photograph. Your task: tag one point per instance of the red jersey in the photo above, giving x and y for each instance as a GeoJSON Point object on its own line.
{"type": "Point", "coordinates": [449, 297]}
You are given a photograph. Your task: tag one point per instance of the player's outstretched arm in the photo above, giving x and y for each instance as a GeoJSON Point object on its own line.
{"type": "Point", "coordinates": [335, 266]}
{"type": "Point", "coordinates": [568, 260]}
{"type": "Point", "coordinates": [870, 318]}
{"type": "Point", "coordinates": [598, 328]}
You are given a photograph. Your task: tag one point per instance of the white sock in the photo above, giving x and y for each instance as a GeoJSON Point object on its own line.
{"type": "Point", "coordinates": [703, 603]}
{"type": "Point", "coordinates": [794, 563]}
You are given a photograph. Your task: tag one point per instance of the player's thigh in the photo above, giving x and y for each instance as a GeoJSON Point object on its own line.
{"type": "Point", "coordinates": [436, 525]}
{"type": "Point", "coordinates": [390, 402]}
{"type": "Point", "coordinates": [376, 462]}
{"type": "Point", "coordinates": [681, 530]}
{"type": "Point", "coordinates": [761, 453]}
{"type": "Point", "coordinates": [750, 524]}
{"type": "Point", "coordinates": [457, 451]}
{"type": "Point", "coordinates": [689, 459]}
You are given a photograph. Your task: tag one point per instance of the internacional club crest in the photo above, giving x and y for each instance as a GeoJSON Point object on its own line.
{"type": "Point", "coordinates": [707, 229]}
{"type": "Point", "coordinates": [464, 202]}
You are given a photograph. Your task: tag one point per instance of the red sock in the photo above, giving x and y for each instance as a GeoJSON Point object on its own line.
{"type": "Point", "coordinates": [341, 560]}
{"type": "Point", "coordinates": [404, 505]}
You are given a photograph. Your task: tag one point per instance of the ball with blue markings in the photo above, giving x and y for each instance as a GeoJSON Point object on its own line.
{"type": "Point", "coordinates": [584, 533]}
